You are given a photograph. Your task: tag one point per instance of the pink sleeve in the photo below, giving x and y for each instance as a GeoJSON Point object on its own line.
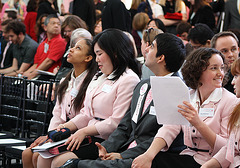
{"type": "Point", "coordinates": [5, 6]}
{"type": "Point", "coordinates": [120, 106]}
{"type": "Point", "coordinates": [221, 157]}
{"type": "Point", "coordinates": [168, 133]}
{"type": "Point", "coordinates": [222, 137]}
{"type": "Point", "coordinates": [24, 10]}
{"type": "Point", "coordinates": [81, 120]}
{"type": "Point", "coordinates": [56, 119]}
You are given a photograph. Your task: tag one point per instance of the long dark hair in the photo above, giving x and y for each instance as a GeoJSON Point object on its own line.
{"type": "Point", "coordinates": [120, 49]}
{"type": "Point", "coordinates": [92, 69]}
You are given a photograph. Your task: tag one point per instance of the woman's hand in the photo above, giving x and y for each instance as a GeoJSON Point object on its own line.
{"type": "Point", "coordinates": [142, 161]}
{"type": "Point", "coordinates": [75, 140]}
{"type": "Point", "coordinates": [39, 140]}
{"type": "Point", "coordinates": [190, 113]}
{"type": "Point", "coordinates": [59, 127]}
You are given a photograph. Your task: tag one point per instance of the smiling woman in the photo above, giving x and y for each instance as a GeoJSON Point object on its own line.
{"type": "Point", "coordinates": [208, 115]}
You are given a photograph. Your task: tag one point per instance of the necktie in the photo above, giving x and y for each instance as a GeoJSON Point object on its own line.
{"type": "Point", "coordinates": [147, 101]}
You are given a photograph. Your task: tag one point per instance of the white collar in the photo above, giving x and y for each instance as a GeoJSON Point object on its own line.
{"type": "Point", "coordinates": [214, 97]}
{"type": "Point", "coordinates": [168, 75]}
{"type": "Point", "coordinates": [73, 83]}
{"type": "Point", "coordinates": [111, 76]}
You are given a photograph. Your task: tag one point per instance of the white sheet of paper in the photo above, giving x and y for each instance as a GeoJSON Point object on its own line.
{"type": "Point", "coordinates": [168, 93]}
{"type": "Point", "coordinates": [48, 145]}
{"type": "Point", "coordinates": [19, 147]}
{"type": "Point", "coordinates": [45, 73]}
{"type": "Point", "coordinates": [10, 141]}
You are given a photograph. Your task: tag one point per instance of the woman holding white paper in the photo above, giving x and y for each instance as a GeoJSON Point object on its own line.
{"type": "Point", "coordinates": [207, 114]}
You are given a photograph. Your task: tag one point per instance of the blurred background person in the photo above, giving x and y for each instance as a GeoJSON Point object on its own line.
{"type": "Point", "coordinates": [30, 19]}
{"type": "Point", "coordinates": [201, 12]}
{"type": "Point", "coordinates": [18, 5]}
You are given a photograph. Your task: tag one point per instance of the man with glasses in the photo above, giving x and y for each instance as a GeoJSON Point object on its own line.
{"type": "Point", "coordinates": [200, 36]}
{"type": "Point", "coordinates": [50, 51]}
{"type": "Point", "coordinates": [227, 42]}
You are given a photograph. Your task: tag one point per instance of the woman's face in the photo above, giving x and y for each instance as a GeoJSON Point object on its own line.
{"type": "Point", "coordinates": [212, 77]}
{"type": "Point", "coordinates": [42, 22]}
{"type": "Point", "coordinates": [152, 24]}
{"type": "Point", "coordinates": [79, 53]}
{"type": "Point", "coordinates": [67, 33]}
{"type": "Point", "coordinates": [98, 28]}
{"type": "Point", "coordinates": [103, 60]}
{"type": "Point", "coordinates": [236, 84]}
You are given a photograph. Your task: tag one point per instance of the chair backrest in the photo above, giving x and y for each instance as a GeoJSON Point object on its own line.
{"type": "Point", "coordinates": [37, 107]}
{"type": "Point", "coordinates": [11, 98]}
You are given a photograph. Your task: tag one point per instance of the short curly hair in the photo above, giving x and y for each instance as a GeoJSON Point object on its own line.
{"type": "Point", "coordinates": [195, 64]}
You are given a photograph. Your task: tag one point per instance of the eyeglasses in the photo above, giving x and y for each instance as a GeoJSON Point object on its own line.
{"type": "Point", "coordinates": [148, 31]}
{"type": "Point", "coordinates": [196, 46]}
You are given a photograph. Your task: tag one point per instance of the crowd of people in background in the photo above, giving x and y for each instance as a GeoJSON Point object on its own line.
{"type": "Point", "coordinates": [103, 52]}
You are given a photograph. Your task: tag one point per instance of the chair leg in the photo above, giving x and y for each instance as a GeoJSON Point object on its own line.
{"type": "Point", "coordinates": [3, 160]}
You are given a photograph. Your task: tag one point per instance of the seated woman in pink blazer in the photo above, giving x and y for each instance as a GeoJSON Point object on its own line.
{"type": "Point", "coordinates": [107, 99]}
{"type": "Point", "coordinates": [71, 91]}
{"type": "Point", "coordinates": [207, 113]}
{"type": "Point", "coordinates": [229, 155]}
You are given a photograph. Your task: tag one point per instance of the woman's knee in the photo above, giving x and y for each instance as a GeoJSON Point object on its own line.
{"type": "Point", "coordinates": [27, 154]}
{"type": "Point", "coordinates": [61, 159]}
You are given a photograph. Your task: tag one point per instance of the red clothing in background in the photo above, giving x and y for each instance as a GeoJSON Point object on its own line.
{"type": "Point", "coordinates": [54, 50]}
{"type": "Point", "coordinates": [30, 22]}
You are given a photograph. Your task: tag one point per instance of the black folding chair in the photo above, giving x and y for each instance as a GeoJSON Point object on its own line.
{"type": "Point", "coordinates": [11, 96]}
{"type": "Point", "coordinates": [36, 114]}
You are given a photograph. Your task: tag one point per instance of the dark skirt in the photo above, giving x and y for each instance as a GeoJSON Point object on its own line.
{"type": "Point", "coordinates": [173, 160]}
{"type": "Point", "coordinates": [88, 151]}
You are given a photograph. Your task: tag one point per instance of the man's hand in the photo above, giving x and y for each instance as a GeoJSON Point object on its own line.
{"type": "Point", "coordinates": [101, 150]}
{"type": "Point", "coordinates": [113, 156]}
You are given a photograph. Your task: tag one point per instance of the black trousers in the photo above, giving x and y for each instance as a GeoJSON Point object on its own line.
{"type": "Point", "coordinates": [89, 151]}
{"type": "Point", "coordinates": [118, 163]}
{"type": "Point", "coordinates": [173, 160]}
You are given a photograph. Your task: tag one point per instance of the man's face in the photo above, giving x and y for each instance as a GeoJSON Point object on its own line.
{"type": "Point", "coordinates": [4, 17]}
{"type": "Point", "coordinates": [4, 33]}
{"type": "Point", "coordinates": [229, 47]}
{"type": "Point", "coordinates": [54, 26]}
{"type": "Point", "coordinates": [195, 45]}
{"type": "Point", "coordinates": [13, 37]}
{"type": "Point", "coordinates": [151, 53]}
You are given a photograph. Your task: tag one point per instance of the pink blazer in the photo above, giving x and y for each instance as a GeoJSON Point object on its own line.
{"type": "Point", "coordinates": [61, 111]}
{"type": "Point", "coordinates": [226, 152]}
{"type": "Point", "coordinates": [192, 138]}
{"type": "Point", "coordinates": [109, 101]}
